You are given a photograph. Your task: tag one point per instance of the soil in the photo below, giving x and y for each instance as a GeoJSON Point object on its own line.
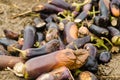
{"type": "Point", "coordinates": [10, 8]}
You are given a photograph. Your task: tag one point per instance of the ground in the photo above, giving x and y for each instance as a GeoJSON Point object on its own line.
{"type": "Point", "coordinates": [9, 8]}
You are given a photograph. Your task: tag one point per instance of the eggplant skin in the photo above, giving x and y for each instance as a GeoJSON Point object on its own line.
{"type": "Point", "coordinates": [99, 31]}
{"type": "Point", "coordinates": [78, 42]}
{"type": "Point", "coordinates": [113, 31]}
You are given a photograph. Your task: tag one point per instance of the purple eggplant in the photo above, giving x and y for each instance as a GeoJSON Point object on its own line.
{"type": "Point", "coordinates": [78, 43]}
{"type": "Point", "coordinates": [29, 37]}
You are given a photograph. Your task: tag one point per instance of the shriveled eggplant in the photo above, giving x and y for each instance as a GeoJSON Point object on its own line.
{"type": "Point", "coordinates": [11, 50]}
{"type": "Point", "coordinates": [9, 61]}
{"type": "Point", "coordinates": [70, 32]}
{"type": "Point", "coordinates": [46, 63]}
{"type": "Point", "coordinates": [29, 37]}
{"type": "Point", "coordinates": [86, 75]}
{"type": "Point", "coordinates": [78, 43]}
{"type": "Point", "coordinates": [11, 35]}
{"type": "Point", "coordinates": [52, 32]}
{"type": "Point", "coordinates": [62, 73]}
{"type": "Point", "coordinates": [62, 24]}
{"type": "Point", "coordinates": [83, 31]}
{"type": "Point", "coordinates": [51, 46]}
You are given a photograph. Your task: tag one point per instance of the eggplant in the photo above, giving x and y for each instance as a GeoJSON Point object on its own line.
{"type": "Point", "coordinates": [104, 11]}
{"type": "Point", "coordinates": [3, 51]}
{"type": "Point", "coordinates": [11, 35]}
{"type": "Point", "coordinates": [6, 42]}
{"type": "Point", "coordinates": [40, 36]}
{"type": "Point", "coordinates": [91, 48]}
{"type": "Point", "coordinates": [62, 24]}
{"type": "Point", "coordinates": [86, 75]}
{"type": "Point", "coordinates": [61, 4]}
{"type": "Point", "coordinates": [83, 31]}
{"type": "Point", "coordinates": [47, 8]}
{"type": "Point", "coordinates": [83, 14]}
{"type": "Point", "coordinates": [104, 57]}
{"type": "Point", "coordinates": [62, 45]}
{"type": "Point", "coordinates": [51, 46]}
{"type": "Point", "coordinates": [62, 73]}
{"type": "Point", "coordinates": [115, 33]}
{"type": "Point", "coordinates": [52, 32]}
{"type": "Point", "coordinates": [11, 50]}
{"type": "Point", "coordinates": [46, 63]}
{"type": "Point", "coordinates": [99, 31]}
{"type": "Point", "coordinates": [39, 23]}
{"type": "Point", "coordinates": [9, 61]}
{"type": "Point", "coordinates": [91, 64]}
{"type": "Point", "coordinates": [115, 8]}
{"type": "Point", "coordinates": [29, 37]}
{"type": "Point", "coordinates": [78, 43]}
{"type": "Point", "coordinates": [70, 32]}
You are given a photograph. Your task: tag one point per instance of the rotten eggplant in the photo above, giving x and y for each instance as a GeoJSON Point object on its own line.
{"type": "Point", "coordinates": [86, 75]}
{"type": "Point", "coordinates": [115, 8]}
{"type": "Point", "coordinates": [11, 35]}
{"type": "Point", "coordinates": [9, 61]}
{"type": "Point", "coordinates": [52, 32]}
{"type": "Point", "coordinates": [62, 73]}
{"type": "Point", "coordinates": [46, 63]}
{"type": "Point", "coordinates": [70, 32]}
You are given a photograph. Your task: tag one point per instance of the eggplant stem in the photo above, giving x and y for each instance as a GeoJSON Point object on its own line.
{"type": "Point", "coordinates": [99, 42]}
{"type": "Point", "coordinates": [20, 75]}
{"type": "Point", "coordinates": [21, 52]}
{"type": "Point", "coordinates": [75, 46]}
{"type": "Point", "coordinates": [93, 13]}
{"type": "Point", "coordinates": [107, 41]}
{"type": "Point", "coordinates": [78, 5]}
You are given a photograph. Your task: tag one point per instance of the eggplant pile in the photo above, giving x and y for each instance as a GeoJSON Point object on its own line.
{"type": "Point", "coordinates": [67, 42]}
